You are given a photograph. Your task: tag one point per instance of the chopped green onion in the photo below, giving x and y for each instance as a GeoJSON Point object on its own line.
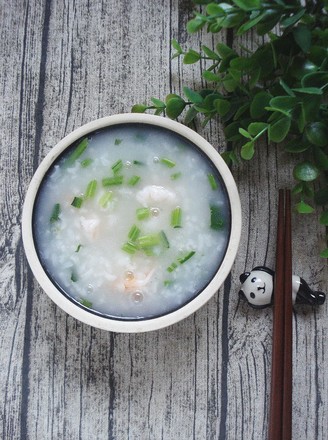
{"type": "Point", "coordinates": [86, 162]}
{"type": "Point", "coordinates": [168, 162]}
{"type": "Point", "coordinates": [105, 199]}
{"type": "Point", "coordinates": [91, 189]}
{"type": "Point", "coordinates": [134, 180]}
{"type": "Point", "coordinates": [86, 303]}
{"type": "Point", "coordinates": [79, 150]}
{"type": "Point", "coordinates": [164, 240]}
{"type": "Point", "coordinates": [79, 246]}
{"type": "Point", "coordinates": [217, 221]}
{"type": "Point", "coordinates": [117, 166]}
{"type": "Point", "coordinates": [186, 257]}
{"type": "Point", "coordinates": [176, 176]}
{"type": "Point", "coordinates": [134, 233]}
{"type": "Point", "coordinates": [55, 213]}
{"type": "Point", "coordinates": [172, 267]}
{"type": "Point", "coordinates": [74, 277]}
{"type": "Point", "coordinates": [109, 181]}
{"type": "Point", "coordinates": [176, 217]}
{"type": "Point", "coordinates": [130, 247]}
{"type": "Point", "coordinates": [212, 181]}
{"type": "Point", "coordinates": [138, 162]}
{"type": "Point", "coordinates": [143, 213]}
{"type": "Point", "coordinates": [168, 283]}
{"type": "Point", "coordinates": [77, 202]}
{"type": "Point", "coordinates": [149, 240]}
{"type": "Point", "coordinates": [118, 141]}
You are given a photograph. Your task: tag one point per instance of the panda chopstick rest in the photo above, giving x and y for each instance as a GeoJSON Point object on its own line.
{"type": "Point", "coordinates": [257, 289]}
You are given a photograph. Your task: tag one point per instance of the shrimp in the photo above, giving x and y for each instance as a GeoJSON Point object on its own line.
{"type": "Point", "coordinates": [154, 194]}
{"type": "Point", "coordinates": [90, 227]}
{"type": "Point", "coordinates": [138, 280]}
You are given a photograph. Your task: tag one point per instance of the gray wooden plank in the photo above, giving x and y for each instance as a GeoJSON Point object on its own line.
{"type": "Point", "coordinates": [208, 377]}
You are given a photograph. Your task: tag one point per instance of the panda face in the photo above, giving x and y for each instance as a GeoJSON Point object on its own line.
{"type": "Point", "coordinates": [257, 287]}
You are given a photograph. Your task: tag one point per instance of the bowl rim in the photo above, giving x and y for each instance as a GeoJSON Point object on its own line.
{"type": "Point", "coordinates": [108, 323]}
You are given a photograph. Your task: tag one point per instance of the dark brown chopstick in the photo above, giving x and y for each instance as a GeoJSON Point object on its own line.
{"type": "Point", "coordinates": [280, 421]}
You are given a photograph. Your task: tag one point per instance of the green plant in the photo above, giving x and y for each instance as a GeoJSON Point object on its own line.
{"type": "Point", "coordinates": [278, 92]}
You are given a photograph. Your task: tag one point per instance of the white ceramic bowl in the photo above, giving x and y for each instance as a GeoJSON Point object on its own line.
{"type": "Point", "coordinates": [137, 325]}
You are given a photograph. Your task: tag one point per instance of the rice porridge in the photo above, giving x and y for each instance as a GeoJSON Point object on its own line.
{"type": "Point", "coordinates": [132, 221]}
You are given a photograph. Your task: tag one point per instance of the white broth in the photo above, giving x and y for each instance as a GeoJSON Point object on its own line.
{"type": "Point", "coordinates": [132, 222]}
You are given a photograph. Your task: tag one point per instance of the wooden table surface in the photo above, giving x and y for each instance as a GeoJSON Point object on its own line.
{"type": "Point", "coordinates": [65, 63]}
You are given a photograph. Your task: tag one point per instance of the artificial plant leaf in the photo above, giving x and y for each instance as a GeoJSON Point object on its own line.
{"type": "Point", "coordinates": [192, 96]}
{"type": "Point", "coordinates": [302, 36]}
{"type": "Point", "coordinates": [222, 106]}
{"type": "Point", "coordinates": [256, 128]}
{"type": "Point", "coordinates": [244, 133]}
{"type": "Point", "coordinates": [247, 5]}
{"type": "Point", "coordinates": [157, 102]}
{"type": "Point", "coordinates": [191, 57]}
{"type": "Point", "coordinates": [195, 24]}
{"type": "Point", "coordinates": [279, 129]}
{"type": "Point", "coordinates": [214, 9]}
{"type": "Point", "coordinates": [286, 103]}
{"type": "Point", "coordinates": [259, 102]}
{"type": "Point", "coordinates": [320, 158]}
{"type": "Point", "coordinates": [324, 218]}
{"type": "Point", "coordinates": [225, 51]}
{"type": "Point", "coordinates": [324, 253]}
{"type": "Point", "coordinates": [306, 171]}
{"type": "Point", "coordinates": [304, 208]}
{"type": "Point", "coordinates": [210, 53]}
{"type": "Point", "coordinates": [247, 150]}
{"type": "Point", "coordinates": [295, 146]}
{"type": "Point", "coordinates": [317, 133]}
{"type": "Point", "coordinates": [315, 79]}
{"type": "Point", "coordinates": [210, 76]}
{"type": "Point", "coordinates": [321, 196]}
{"type": "Point", "coordinates": [175, 107]}
{"type": "Point", "coordinates": [249, 24]}
{"type": "Point", "coordinates": [139, 108]}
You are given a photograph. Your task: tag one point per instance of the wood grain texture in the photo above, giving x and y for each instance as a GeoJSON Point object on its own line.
{"type": "Point", "coordinates": [65, 63]}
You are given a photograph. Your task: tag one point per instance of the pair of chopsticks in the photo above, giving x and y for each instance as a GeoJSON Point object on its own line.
{"type": "Point", "coordinates": [280, 420]}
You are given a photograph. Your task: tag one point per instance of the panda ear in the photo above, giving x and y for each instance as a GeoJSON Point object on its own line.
{"type": "Point", "coordinates": [243, 277]}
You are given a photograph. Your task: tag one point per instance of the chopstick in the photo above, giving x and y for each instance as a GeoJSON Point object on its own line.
{"type": "Point", "coordinates": [280, 421]}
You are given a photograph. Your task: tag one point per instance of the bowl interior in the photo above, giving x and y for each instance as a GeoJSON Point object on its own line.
{"type": "Point", "coordinates": [102, 233]}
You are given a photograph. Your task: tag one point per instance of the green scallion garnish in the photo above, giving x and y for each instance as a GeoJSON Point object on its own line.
{"type": "Point", "coordinates": [91, 189]}
{"type": "Point", "coordinates": [164, 240]}
{"type": "Point", "coordinates": [79, 246]}
{"type": "Point", "coordinates": [118, 165]}
{"type": "Point", "coordinates": [129, 247]}
{"type": "Point", "coordinates": [168, 283]}
{"type": "Point", "coordinates": [118, 141]}
{"type": "Point", "coordinates": [55, 213]}
{"type": "Point", "coordinates": [176, 176]}
{"type": "Point", "coordinates": [77, 202]}
{"type": "Point", "coordinates": [133, 180]}
{"type": "Point", "coordinates": [168, 162]}
{"type": "Point", "coordinates": [143, 213]}
{"type": "Point", "coordinates": [172, 267]}
{"type": "Point", "coordinates": [74, 277]}
{"type": "Point", "coordinates": [148, 241]}
{"type": "Point", "coordinates": [217, 221]}
{"type": "Point", "coordinates": [86, 303]}
{"type": "Point", "coordinates": [105, 199]}
{"type": "Point", "coordinates": [186, 257]}
{"type": "Point", "coordinates": [138, 162]}
{"type": "Point", "coordinates": [176, 217]}
{"type": "Point", "coordinates": [212, 181]}
{"type": "Point", "coordinates": [79, 150]}
{"type": "Point", "coordinates": [86, 162]}
{"type": "Point", "coordinates": [134, 233]}
{"type": "Point", "coordinates": [115, 180]}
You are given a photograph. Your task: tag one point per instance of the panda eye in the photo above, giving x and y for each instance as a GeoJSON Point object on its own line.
{"type": "Point", "coordinates": [253, 280]}
{"type": "Point", "coordinates": [252, 295]}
